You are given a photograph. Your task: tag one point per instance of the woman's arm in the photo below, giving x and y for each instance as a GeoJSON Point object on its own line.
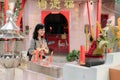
{"type": "Point", "coordinates": [45, 47]}
{"type": "Point", "coordinates": [32, 47]}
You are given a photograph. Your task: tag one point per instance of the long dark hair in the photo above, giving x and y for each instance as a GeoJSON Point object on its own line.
{"type": "Point", "coordinates": [35, 33]}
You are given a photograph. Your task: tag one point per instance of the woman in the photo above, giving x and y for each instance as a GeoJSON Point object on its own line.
{"type": "Point", "coordinates": [38, 43]}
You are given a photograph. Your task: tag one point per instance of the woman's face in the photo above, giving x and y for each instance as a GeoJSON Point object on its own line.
{"type": "Point", "coordinates": [41, 32]}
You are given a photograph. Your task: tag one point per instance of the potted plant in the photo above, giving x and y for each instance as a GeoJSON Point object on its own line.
{"type": "Point", "coordinates": [112, 38]}
{"type": "Point", "coordinates": [72, 56]}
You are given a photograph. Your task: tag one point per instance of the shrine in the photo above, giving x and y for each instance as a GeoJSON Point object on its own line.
{"type": "Point", "coordinates": [82, 37]}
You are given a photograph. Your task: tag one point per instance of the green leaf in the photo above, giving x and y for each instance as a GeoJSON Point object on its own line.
{"type": "Point", "coordinates": [117, 1]}
{"type": "Point", "coordinates": [72, 56]}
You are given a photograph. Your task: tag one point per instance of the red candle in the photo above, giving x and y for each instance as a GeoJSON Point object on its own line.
{"type": "Point", "coordinates": [51, 58]}
{"type": "Point", "coordinates": [36, 56]}
{"type": "Point", "coordinates": [6, 7]}
{"type": "Point", "coordinates": [41, 57]}
{"type": "Point", "coordinates": [82, 55]}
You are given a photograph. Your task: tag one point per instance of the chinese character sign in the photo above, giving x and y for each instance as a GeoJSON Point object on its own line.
{"type": "Point", "coordinates": [55, 4]}
{"type": "Point", "coordinates": [69, 3]}
{"type": "Point", "coordinates": [42, 4]}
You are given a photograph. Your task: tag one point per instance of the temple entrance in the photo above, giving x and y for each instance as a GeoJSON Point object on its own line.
{"type": "Point", "coordinates": [57, 32]}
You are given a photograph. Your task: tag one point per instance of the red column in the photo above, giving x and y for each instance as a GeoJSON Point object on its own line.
{"type": "Point", "coordinates": [0, 6]}
{"type": "Point", "coordinates": [21, 13]}
{"type": "Point", "coordinates": [89, 17]}
{"type": "Point", "coordinates": [6, 7]}
{"type": "Point", "coordinates": [99, 5]}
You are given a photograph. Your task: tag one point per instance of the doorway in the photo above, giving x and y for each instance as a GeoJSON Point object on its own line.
{"type": "Point", "coordinates": [57, 32]}
{"type": "Point", "coordinates": [56, 24]}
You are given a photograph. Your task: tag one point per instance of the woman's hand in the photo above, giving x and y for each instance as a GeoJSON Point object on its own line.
{"type": "Point", "coordinates": [34, 52]}
{"type": "Point", "coordinates": [37, 49]}
{"type": "Point", "coordinates": [44, 47]}
{"type": "Point", "coordinates": [40, 49]}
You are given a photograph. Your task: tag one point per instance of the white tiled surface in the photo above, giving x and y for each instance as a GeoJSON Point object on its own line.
{"type": "Point", "coordinates": [18, 74]}
{"type": "Point", "coordinates": [31, 75]}
{"type": "Point", "coordinates": [26, 75]}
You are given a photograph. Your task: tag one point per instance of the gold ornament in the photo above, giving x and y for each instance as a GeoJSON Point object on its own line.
{"type": "Point", "coordinates": [55, 4]}
{"type": "Point", "coordinates": [69, 3]}
{"type": "Point", "coordinates": [42, 4]}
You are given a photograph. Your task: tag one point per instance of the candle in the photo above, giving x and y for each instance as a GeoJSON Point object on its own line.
{"type": "Point", "coordinates": [41, 56]}
{"type": "Point", "coordinates": [51, 58]}
{"type": "Point", "coordinates": [36, 56]}
{"type": "Point", "coordinates": [82, 55]}
{"type": "Point", "coordinates": [6, 7]}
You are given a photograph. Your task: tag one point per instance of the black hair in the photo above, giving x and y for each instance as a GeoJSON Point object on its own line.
{"type": "Point", "coordinates": [35, 33]}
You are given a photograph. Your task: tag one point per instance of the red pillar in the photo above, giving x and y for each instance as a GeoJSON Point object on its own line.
{"type": "Point", "coordinates": [21, 13]}
{"type": "Point", "coordinates": [89, 17]}
{"type": "Point", "coordinates": [6, 7]}
{"type": "Point", "coordinates": [99, 6]}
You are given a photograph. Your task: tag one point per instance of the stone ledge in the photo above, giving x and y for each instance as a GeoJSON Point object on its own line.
{"type": "Point", "coordinates": [53, 71]}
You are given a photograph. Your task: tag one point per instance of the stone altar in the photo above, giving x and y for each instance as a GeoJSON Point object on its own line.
{"type": "Point", "coordinates": [73, 71]}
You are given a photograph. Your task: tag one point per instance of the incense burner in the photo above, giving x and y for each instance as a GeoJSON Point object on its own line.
{"type": "Point", "coordinates": [10, 32]}
{"type": "Point", "coordinates": [10, 60]}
